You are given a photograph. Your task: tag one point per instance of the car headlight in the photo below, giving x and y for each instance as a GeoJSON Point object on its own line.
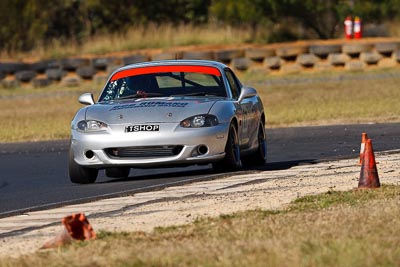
{"type": "Point", "coordinates": [91, 126]}
{"type": "Point", "coordinates": [205, 120]}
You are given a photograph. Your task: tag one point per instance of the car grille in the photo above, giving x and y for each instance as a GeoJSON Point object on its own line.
{"type": "Point", "coordinates": [143, 151]}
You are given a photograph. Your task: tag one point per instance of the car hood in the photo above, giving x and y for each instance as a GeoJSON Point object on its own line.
{"type": "Point", "coordinates": [148, 110]}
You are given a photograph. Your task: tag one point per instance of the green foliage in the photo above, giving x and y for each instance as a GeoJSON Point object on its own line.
{"type": "Point", "coordinates": [377, 10]}
{"type": "Point", "coordinates": [25, 24]}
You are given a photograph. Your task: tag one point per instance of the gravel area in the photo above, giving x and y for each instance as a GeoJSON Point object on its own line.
{"type": "Point", "coordinates": [183, 204]}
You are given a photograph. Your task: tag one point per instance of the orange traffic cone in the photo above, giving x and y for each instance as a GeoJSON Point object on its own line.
{"type": "Point", "coordinates": [369, 174]}
{"type": "Point", "coordinates": [364, 138]}
{"type": "Point", "coordinates": [79, 227]}
{"type": "Point", "coordinates": [76, 227]}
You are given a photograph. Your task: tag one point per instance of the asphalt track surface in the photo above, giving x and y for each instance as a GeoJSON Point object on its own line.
{"type": "Point", "coordinates": [34, 176]}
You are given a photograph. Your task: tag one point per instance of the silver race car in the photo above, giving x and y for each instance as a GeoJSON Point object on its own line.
{"type": "Point", "coordinates": [165, 114]}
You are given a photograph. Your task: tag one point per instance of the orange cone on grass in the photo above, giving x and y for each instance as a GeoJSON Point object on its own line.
{"type": "Point", "coordinates": [77, 227]}
{"type": "Point", "coordinates": [364, 138]}
{"type": "Point", "coordinates": [369, 173]}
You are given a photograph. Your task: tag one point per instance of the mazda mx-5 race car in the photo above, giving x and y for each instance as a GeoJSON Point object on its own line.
{"type": "Point", "coordinates": [164, 114]}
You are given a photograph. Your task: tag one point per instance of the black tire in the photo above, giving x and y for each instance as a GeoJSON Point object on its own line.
{"type": "Point", "coordinates": [273, 63]}
{"type": "Point", "coordinates": [241, 63]}
{"type": "Point", "coordinates": [338, 59]}
{"type": "Point", "coordinates": [396, 56]}
{"type": "Point", "coordinates": [354, 50]}
{"type": "Point", "coordinates": [42, 66]}
{"type": "Point", "coordinates": [259, 157]}
{"type": "Point", "coordinates": [101, 63]}
{"type": "Point", "coordinates": [71, 64]}
{"type": "Point", "coordinates": [291, 52]}
{"type": "Point", "coordinates": [86, 72]}
{"type": "Point", "coordinates": [324, 50]}
{"type": "Point", "coordinates": [71, 81]}
{"type": "Point", "coordinates": [41, 82]}
{"type": "Point", "coordinates": [166, 56]}
{"type": "Point", "coordinates": [121, 172]}
{"type": "Point", "coordinates": [202, 55]}
{"type": "Point", "coordinates": [79, 174]}
{"type": "Point", "coordinates": [25, 75]}
{"type": "Point", "coordinates": [307, 60]}
{"type": "Point", "coordinates": [55, 74]}
{"type": "Point", "coordinates": [227, 56]}
{"type": "Point", "coordinates": [13, 67]}
{"type": "Point", "coordinates": [370, 57]}
{"type": "Point", "coordinates": [232, 161]}
{"type": "Point", "coordinates": [387, 48]}
{"type": "Point", "coordinates": [259, 54]}
{"type": "Point", "coordinates": [10, 83]}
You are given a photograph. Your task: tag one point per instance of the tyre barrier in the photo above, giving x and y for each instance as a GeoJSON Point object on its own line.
{"type": "Point", "coordinates": [285, 58]}
{"type": "Point", "coordinates": [386, 49]}
{"type": "Point", "coordinates": [307, 60]}
{"type": "Point", "coordinates": [167, 56]}
{"type": "Point", "coordinates": [55, 74]}
{"type": "Point", "coordinates": [291, 68]}
{"type": "Point", "coordinates": [101, 63]}
{"type": "Point", "coordinates": [134, 59]}
{"type": "Point", "coordinates": [241, 63]}
{"type": "Point", "coordinates": [13, 67]}
{"type": "Point", "coordinates": [41, 82]}
{"type": "Point", "coordinates": [226, 56]}
{"type": "Point", "coordinates": [273, 63]}
{"type": "Point", "coordinates": [72, 64]}
{"type": "Point", "coordinates": [9, 84]}
{"type": "Point", "coordinates": [356, 65]}
{"type": "Point", "coordinates": [86, 73]}
{"type": "Point", "coordinates": [354, 50]}
{"type": "Point", "coordinates": [370, 57]}
{"type": "Point", "coordinates": [290, 53]}
{"type": "Point", "coordinates": [259, 54]}
{"type": "Point", "coordinates": [322, 51]}
{"type": "Point", "coordinates": [396, 55]}
{"type": "Point", "coordinates": [71, 81]}
{"type": "Point", "coordinates": [25, 75]}
{"type": "Point", "coordinates": [338, 59]}
{"type": "Point", "coordinates": [201, 55]}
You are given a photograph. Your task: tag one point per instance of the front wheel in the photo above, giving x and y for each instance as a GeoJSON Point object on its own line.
{"type": "Point", "coordinates": [79, 174]}
{"type": "Point", "coordinates": [232, 161]}
{"type": "Point", "coordinates": [259, 157]}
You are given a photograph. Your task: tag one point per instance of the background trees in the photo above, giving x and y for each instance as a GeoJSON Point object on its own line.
{"type": "Point", "coordinates": [25, 23]}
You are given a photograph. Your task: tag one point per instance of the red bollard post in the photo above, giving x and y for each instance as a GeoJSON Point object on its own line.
{"type": "Point", "coordinates": [348, 27]}
{"type": "Point", "coordinates": [357, 28]}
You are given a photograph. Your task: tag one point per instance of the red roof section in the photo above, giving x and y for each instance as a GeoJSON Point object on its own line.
{"type": "Point", "coordinates": [161, 69]}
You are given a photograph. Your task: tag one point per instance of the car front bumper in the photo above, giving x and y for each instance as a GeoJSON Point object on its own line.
{"type": "Point", "coordinates": [196, 146]}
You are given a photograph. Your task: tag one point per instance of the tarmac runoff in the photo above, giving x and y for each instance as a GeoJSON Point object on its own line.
{"type": "Point", "coordinates": [267, 190]}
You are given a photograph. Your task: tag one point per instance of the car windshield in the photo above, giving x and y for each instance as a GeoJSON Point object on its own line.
{"type": "Point", "coordinates": [164, 82]}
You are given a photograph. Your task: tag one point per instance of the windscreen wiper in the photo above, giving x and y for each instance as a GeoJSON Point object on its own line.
{"type": "Point", "coordinates": [141, 94]}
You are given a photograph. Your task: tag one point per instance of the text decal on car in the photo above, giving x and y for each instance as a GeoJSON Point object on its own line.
{"type": "Point", "coordinates": [142, 128]}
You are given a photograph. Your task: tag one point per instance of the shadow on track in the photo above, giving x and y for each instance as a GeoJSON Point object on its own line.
{"type": "Point", "coordinates": [270, 166]}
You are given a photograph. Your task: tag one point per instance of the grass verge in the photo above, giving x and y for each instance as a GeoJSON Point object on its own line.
{"type": "Point", "coordinates": [354, 228]}
{"type": "Point", "coordinates": [308, 99]}
{"type": "Point", "coordinates": [330, 98]}
{"type": "Point", "coordinates": [140, 37]}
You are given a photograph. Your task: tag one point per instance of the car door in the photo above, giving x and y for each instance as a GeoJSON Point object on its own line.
{"type": "Point", "coordinates": [244, 109]}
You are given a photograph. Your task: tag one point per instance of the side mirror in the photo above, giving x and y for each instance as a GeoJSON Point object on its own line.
{"type": "Point", "coordinates": [247, 92]}
{"type": "Point", "coordinates": [86, 99]}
